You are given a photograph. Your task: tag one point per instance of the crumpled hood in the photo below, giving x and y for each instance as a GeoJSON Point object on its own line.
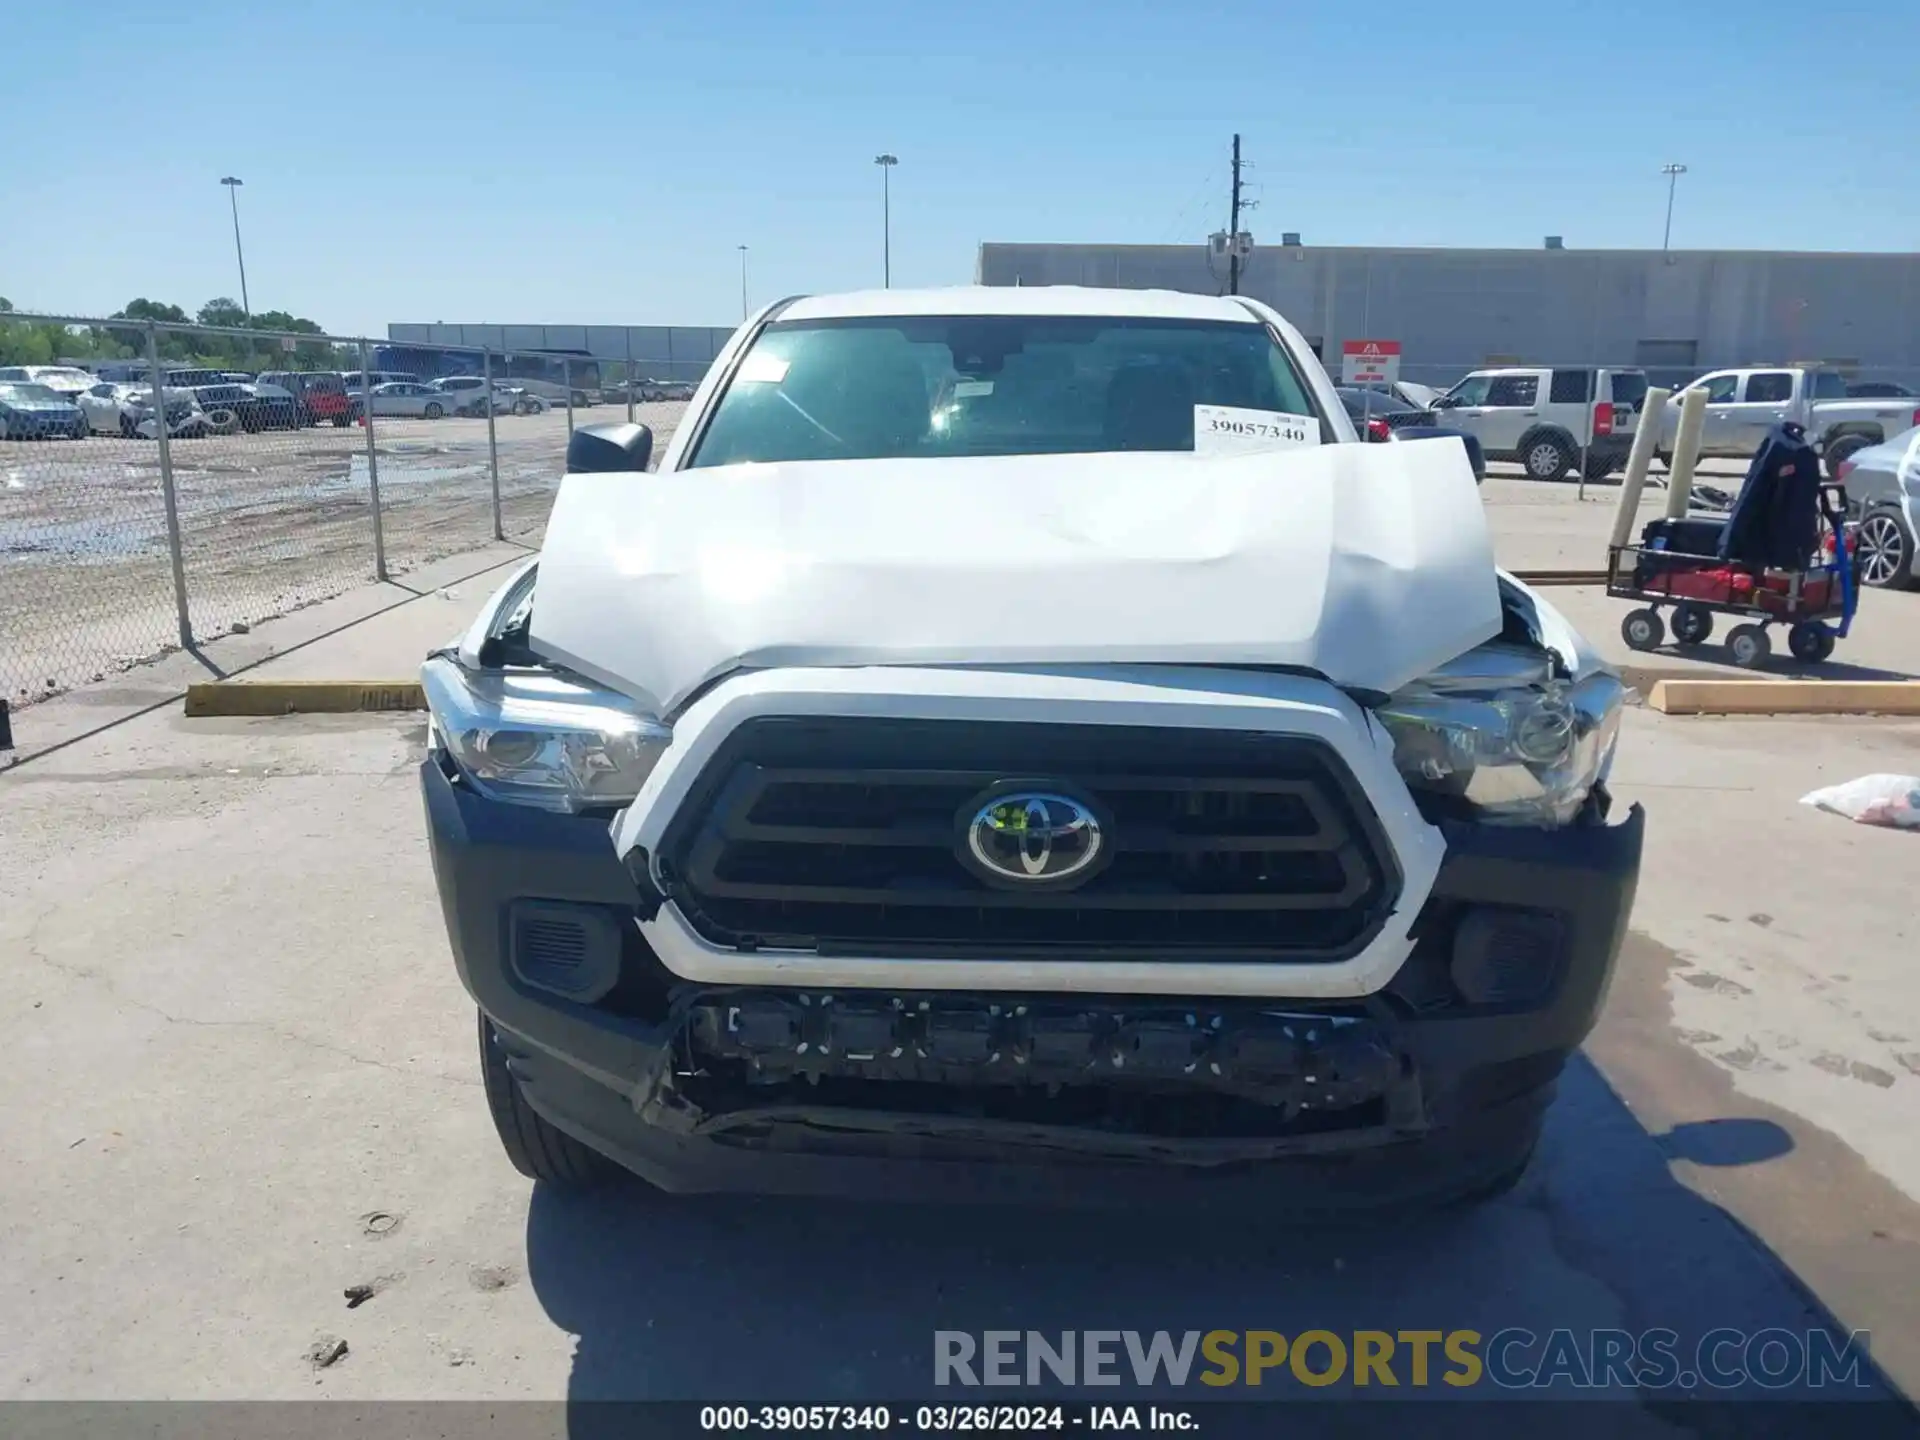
{"type": "Point", "coordinates": [1369, 564]}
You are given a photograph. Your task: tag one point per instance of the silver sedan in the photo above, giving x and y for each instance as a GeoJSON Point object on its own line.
{"type": "Point", "coordinates": [411, 398]}
{"type": "Point", "coordinates": [1883, 490]}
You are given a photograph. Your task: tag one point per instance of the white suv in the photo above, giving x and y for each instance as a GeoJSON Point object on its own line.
{"type": "Point", "coordinates": [1022, 729]}
{"type": "Point", "coordinates": [1549, 418]}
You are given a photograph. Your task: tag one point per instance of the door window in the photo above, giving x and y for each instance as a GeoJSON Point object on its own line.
{"type": "Point", "coordinates": [1470, 391]}
{"type": "Point", "coordinates": [1571, 387]}
{"type": "Point", "coordinates": [1769, 387]}
{"type": "Point", "coordinates": [1721, 389]}
{"type": "Point", "coordinates": [1517, 391]}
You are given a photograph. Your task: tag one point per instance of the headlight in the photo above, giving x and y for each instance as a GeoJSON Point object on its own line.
{"type": "Point", "coordinates": [1496, 733]}
{"type": "Point", "coordinates": [537, 739]}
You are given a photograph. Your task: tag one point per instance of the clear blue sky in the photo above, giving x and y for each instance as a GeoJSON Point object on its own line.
{"type": "Point", "coordinates": [550, 160]}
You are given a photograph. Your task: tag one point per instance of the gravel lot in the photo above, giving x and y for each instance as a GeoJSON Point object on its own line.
{"type": "Point", "coordinates": [270, 522]}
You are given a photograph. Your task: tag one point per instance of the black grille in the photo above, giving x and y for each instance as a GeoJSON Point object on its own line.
{"type": "Point", "coordinates": [845, 835]}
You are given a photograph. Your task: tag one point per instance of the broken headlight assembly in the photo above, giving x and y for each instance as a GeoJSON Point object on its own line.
{"type": "Point", "coordinates": [536, 738]}
{"type": "Point", "coordinates": [1498, 736]}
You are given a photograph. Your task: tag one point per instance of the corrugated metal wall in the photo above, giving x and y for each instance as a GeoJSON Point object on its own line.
{"type": "Point", "coordinates": [1454, 309]}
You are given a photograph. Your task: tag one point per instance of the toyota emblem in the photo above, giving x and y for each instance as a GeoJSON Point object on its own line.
{"type": "Point", "coordinates": [1032, 837]}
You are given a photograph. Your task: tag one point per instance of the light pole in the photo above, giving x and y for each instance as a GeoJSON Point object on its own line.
{"type": "Point", "coordinates": [743, 282]}
{"type": "Point", "coordinates": [233, 184]}
{"type": "Point", "coordinates": [886, 164]}
{"type": "Point", "coordinates": [1673, 174]}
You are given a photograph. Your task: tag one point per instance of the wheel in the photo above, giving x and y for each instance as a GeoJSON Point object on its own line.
{"type": "Point", "coordinates": [434, 410]}
{"type": "Point", "coordinates": [1643, 629]}
{"type": "Point", "coordinates": [1692, 624]}
{"type": "Point", "coordinates": [1598, 467]}
{"type": "Point", "coordinates": [579, 398]}
{"type": "Point", "coordinates": [1841, 450]}
{"type": "Point", "coordinates": [1546, 456]}
{"type": "Point", "coordinates": [1748, 646]}
{"type": "Point", "coordinates": [126, 427]}
{"type": "Point", "coordinates": [537, 1150]}
{"type": "Point", "coordinates": [520, 407]}
{"type": "Point", "coordinates": [340, 422]}
{"type": "Point", "coordinates": [1884, 551]}
{"type": "Point", "coordinates": [1810, 641]}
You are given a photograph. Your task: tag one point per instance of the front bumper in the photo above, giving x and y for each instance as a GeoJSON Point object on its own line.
{"type": "Point", "coordinates": [1471, 1077]}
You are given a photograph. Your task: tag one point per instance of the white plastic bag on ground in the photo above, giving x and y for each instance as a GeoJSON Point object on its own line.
{"type": "Point", "coordinates": [1873, 800]}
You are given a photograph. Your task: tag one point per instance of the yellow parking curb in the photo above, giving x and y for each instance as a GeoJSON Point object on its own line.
{"type": "Point", "coordinates": [302, 697]}
{"type": "Point", "coordinates": [1786, 697]}
{"type": "Point", "coordinates": [1561, 577]}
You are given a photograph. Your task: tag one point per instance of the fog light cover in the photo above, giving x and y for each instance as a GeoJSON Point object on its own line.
{"type": "Point", "coordinates": [1506, 957]}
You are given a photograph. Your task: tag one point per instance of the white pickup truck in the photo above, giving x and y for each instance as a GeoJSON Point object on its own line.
{"type": "Point", "coordinates": [1018, 742]}
{"type": "Point", "coordinates": [1743, 405]}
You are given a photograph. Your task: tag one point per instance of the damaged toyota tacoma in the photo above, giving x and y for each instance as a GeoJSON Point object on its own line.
{"type": "Point", "coordinates": [1016, 744]}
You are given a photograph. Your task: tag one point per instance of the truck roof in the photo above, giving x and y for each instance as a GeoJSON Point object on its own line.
{"type": "Point", "coordinates": [1022, 300]}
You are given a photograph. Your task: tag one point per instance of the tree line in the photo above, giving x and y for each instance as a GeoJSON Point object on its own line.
{"type": "Point", "coordinates": [24, 342]}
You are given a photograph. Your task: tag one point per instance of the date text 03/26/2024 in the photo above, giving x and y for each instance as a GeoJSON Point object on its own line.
{"type": "Point", "coordinates": [945, 1419]}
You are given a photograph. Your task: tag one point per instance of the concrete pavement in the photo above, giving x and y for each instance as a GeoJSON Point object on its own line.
{"type": "Point", "coordinates": [244, 1080]}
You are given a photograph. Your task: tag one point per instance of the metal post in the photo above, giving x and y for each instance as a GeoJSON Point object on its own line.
{"type": "Point", "coordinates": [566, 374]}
{"type": "Point", "coordinates": [174, 551]}
{"type": "Point", "coordinates": [493, 445]}
{"type": "Point", "coordinates": [373, 477]}
{"type": "Point", "coordinates": [630, 380]}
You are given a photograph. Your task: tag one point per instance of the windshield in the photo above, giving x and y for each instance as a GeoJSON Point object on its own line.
{"type": "Point", "coordinates": [941, 386]}
{"type": "Point", "coordinates": [24, 393]}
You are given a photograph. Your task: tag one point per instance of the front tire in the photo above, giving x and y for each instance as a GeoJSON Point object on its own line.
{"type": "Point", "coordinates": [1546, 456]}
{"type": "Point", "coordinates": [1643, 630]}
{"type": "Point", "coordinates": [1748, 646]}
{"type": "Point", "coordinates": [1884, 550]}
{"type": "Point", "coordinates": [434, 410]}
{"type": "Point", "coordinates": [535, 1148]}
{"type": "Point", "coordinates": [1692, 624]}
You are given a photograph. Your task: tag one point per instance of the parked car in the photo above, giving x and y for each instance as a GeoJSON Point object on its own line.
{"type": "Point", "coordinates": [409, 397]}
{"type": "Point", "coordinates": [1549, 418]}
{"type": "Point", "coordinates": [229, 407]}
{"type": "Point", "coordinates": [469, 394]}
{"type": "Point", "coordinates": [1419, 397]}
{"type": "Point", "coordinates": [30, 411]}
{"type": "Point", "coordinates": [321, 393]}
{"type": "Point", "coordinates": [66, 381]}
{"type": "Point", "coordinates": [1883, 495]}
{"type": "Point", "coordinates": [351, 379]}
{"type": "Point", "coordinates": [1229, 758]}
{"type": "Point", "coordinates": [1743, 405]}
{"type": "Point", "coordinates": [1376, 414]}
{"type": "Point", "coordinates": [1876, 390]}
{"type": "Point", "coordinates": [111, 408]}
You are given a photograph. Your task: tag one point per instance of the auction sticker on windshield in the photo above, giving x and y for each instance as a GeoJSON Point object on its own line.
{"type": "Point", "coordinates": [1229, 430]}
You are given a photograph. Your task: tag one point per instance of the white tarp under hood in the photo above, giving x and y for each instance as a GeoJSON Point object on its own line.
{"type": "Point", "coordinates": [1370, 564]}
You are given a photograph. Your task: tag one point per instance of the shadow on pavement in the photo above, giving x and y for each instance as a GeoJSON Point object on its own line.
{"type": "Point", "coordinates": [777, 1300]}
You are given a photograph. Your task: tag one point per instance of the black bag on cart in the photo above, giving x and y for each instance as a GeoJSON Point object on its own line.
{"type": "Point", "coordinates": [1775, 523]}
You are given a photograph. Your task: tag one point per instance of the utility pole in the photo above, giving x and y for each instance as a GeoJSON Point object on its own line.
{"type": "Point", "coordinates": [1673, 174]}
{"type": "Point", "coordinates": [886, 163]}
{"type": "Point", "coordinates": [1233, 226]}
{"type": "Point", "coordinates": [233, 183]}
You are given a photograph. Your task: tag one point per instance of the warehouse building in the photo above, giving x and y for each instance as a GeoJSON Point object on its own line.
{"type": "Point", "coordinates": [1673, 313]}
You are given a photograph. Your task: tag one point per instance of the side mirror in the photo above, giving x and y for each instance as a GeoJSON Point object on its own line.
{"type": "Point", "coordinates": [1442, 402]}
{"type": "Point", "coordinates": [600, 449]}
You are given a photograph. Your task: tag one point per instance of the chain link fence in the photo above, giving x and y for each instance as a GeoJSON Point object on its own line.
{"type": "Point", "coordinates": [275, 470]}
